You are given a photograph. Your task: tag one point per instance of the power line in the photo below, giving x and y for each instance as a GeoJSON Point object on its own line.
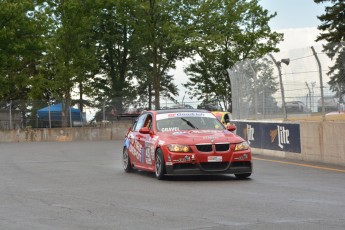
{"type": "Point", "coordinates": [313, 71]}
{"type": "Point", "coordinates": [301, 57]}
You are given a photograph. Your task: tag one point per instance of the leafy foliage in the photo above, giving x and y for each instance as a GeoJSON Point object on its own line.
{"type": "Point", "coordinates": [228, 32]}
{"type": "Point", "coordinates": [96, 51]}
{"type": "Point", "coordinates": [333, 32]}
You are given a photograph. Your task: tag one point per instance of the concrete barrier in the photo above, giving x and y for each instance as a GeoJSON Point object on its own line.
{"type": "Point", "coordinates": [320, 141]}
{"type": "Point", "coordinates": [115, 131]}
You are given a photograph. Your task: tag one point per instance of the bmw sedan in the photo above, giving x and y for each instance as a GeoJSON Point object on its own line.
{"type": "Point", "coordinates": [185, 142]}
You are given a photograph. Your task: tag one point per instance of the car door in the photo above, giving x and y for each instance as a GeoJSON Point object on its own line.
{"type": "Point", "coordinates": [145, 140]}
{"type": "Point", "coordinates": [135, 148]}
{"type": "Point", "coordinates": [140, 144]}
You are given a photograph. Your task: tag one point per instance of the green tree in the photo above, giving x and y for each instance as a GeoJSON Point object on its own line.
{"type": "Point", "coordinates": [68, 61]}
{"type": "Point", "coordinates": [117, 51]}
{"type": "Point", "coordinates": [228, 31]}
{"type": "Point", "coordinates": [163, 27]}
{"type": "Point", "coordinates": [22, 30]}
{"type": "Point", "coordinates": [333, 32]}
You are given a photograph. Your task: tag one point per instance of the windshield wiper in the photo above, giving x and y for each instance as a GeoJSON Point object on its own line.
{"type": "Point", "coordinates": [189, 123]}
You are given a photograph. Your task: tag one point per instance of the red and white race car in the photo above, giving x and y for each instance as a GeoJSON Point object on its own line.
{"type": "Point", "coordinates": [185, 141]}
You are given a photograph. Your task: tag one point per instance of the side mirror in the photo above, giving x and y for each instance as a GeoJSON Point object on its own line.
{"type": "Point", "coordinates": [144, 130]}
{"type": "Point", "coordinates": [231, 127]}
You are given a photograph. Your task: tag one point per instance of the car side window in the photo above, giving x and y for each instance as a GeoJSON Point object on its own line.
{"type": "Point", "coordinates": [148, 121]}
{"type": "Point", "coordinates": [226, 118]}
{"type": "Point", "coordinates": [134, 124]}
{"type": "Point", "coordinates": [140, 122]}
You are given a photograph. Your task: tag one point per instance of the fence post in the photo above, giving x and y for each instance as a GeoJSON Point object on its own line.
{"type": "Point", "coordinates": [306, 83]}
{"type": "Point", "coordinates": [49, 117]}
{"type": "Point", "coordinates": [278, 64]}
{"type": "Point", "coordinates": [321, 83]}
{"type": "Point", "coordinates": [10, 114]}
{"type": "Point", "coordinates": [255, 90]}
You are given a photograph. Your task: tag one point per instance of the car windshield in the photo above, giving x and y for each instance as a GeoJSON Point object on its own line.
{"type": "Point", "coordinates": [219, 117]}
{"type": "Point", "coordinates": [185, 121]}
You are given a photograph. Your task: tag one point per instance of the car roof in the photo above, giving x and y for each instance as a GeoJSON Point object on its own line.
{"type": "Point", "coordinates": [163, 111]}
{"type": "Point", "coordinates": [294, 102]}
{"type": "Point", "coordinates": [220, 112]}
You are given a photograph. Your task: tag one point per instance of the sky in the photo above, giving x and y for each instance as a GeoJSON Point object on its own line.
{"type": "Point", "coordinates": [293, 13]}
{"type": "Point", "coordinates": [297, 19]}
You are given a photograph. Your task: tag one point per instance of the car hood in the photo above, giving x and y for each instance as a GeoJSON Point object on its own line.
{"type": "Point", "coordinates": [192, 137]}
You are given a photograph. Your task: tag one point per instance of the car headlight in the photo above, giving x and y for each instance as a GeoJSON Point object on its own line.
{"type": "Point", "coordinates": [242, 146]}
{"type": "Point", "coordinates": [179, 148]}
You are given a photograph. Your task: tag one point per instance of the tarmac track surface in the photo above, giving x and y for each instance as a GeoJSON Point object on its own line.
{"type": "Point", "coordinates": [81, 185]}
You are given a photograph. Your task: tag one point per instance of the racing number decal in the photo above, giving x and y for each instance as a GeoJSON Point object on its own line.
{"type": "Point", "coordinates": [144, 152]}
{"type": "Point", "coordinates": [147, 153]}
{"type": "Point", "coordinates": [150, 147]}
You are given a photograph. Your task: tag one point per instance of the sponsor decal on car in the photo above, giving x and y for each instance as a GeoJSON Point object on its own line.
{"type": "Point", "coordinates": [161, 142]}
{"type": "Point", "coordinates": [207, 131]}
{"type": "Point", "coordinates": [169, 129]}
{"type": "Point", "coordinates": [209, 138]}
{"type": "Point", "coordinates": [189, 114]}
{"type": "Point", "coordinates": [179, 133]}
{"type": "Point", "coordinates": [135, 148]}
{"type": "Point", "coordinates": [148, 153]}
{"type": "Point", "coordinates": [242, 157]}
{"type": "Point", "coordinates": [184, 159]}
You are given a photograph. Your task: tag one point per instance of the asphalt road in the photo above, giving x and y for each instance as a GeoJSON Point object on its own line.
{"type": "Point", "coordinates": [81, 185]}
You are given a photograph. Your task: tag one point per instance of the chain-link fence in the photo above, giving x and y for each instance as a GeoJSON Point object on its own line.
{"type": "Point", "coordinates": [41, 114]}
{"type": "Point", "coordinates": [287, 85]}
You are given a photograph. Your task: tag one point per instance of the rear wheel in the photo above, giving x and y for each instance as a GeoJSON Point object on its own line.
{"type": "Point", "coordinates": [127, 166]}
{"type": "Point", "coordinates": [242, 175]}
{"type": "Point", "coordinates": [159, 165]}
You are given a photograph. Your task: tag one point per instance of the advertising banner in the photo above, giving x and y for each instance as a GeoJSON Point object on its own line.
{"type": "Point", "coordinates": [272, 136]}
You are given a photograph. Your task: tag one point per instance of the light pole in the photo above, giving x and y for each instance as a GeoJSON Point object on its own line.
{"type": "Point", "coordinates": [278, 64]}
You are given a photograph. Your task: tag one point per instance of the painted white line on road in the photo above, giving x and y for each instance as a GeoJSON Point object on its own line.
{"type": "Point", "coordinates": [303, 165]}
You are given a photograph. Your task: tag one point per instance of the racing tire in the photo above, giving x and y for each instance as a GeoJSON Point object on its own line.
{"type": "Point", "coordinates": [127, 165]}
{"type": "Point", "coordinates": [159, 165]}
{"type": "Point", "coordinates": [243, 176]}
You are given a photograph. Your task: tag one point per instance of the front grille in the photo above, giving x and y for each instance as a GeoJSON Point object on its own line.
{"type": "Point", "coordinates": [222, 147]}
{"type": "Point", "coordinates": [214, 166]}
{"type": "Point", "coordinates": [204, 147]}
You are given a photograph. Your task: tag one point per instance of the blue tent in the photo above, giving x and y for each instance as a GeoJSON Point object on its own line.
{"type": "Point", "coordinates": [56, 112]}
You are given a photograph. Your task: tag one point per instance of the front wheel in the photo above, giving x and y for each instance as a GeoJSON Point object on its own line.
{"type": "Point", "coordinates": [242, 176]}
{"type": "Point", "coordinates": [127, 166]}
{"type": "Point", "coordinates": [159, 165]}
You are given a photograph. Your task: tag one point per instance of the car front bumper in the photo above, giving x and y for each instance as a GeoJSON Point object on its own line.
{"type": "Point", "coordinates": [210, 168]}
